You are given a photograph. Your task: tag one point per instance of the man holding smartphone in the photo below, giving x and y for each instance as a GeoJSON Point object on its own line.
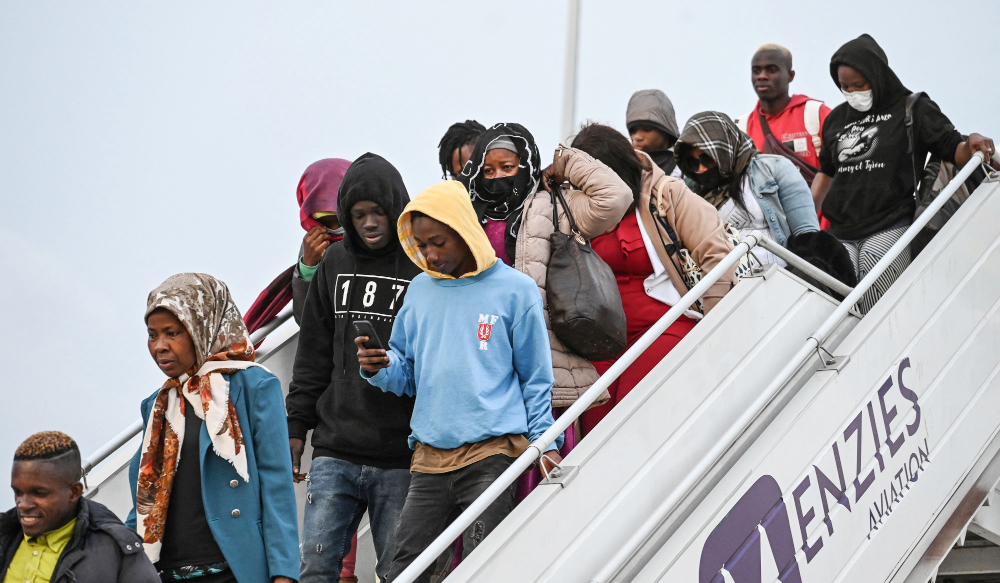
{"type": "Point", "coordinates": [361, 459]}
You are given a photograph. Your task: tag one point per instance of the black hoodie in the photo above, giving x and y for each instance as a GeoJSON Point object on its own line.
{"type": "Point", "coordinates": [866, 151]}
{"type": "Point", "coordinates": [351, 419]}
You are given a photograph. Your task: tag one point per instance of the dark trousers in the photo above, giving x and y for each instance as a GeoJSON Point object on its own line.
{"type": "Point", "coordinates": [429, 505]}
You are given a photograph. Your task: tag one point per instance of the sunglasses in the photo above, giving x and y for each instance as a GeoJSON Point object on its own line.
{"type": "Point", "coordinates": [703, 160]}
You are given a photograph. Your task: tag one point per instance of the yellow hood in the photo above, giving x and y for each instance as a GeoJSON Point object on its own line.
{"type": "Point", "coordinates": [449, 203]}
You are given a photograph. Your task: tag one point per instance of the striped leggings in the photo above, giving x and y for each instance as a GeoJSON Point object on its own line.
{"type": "Point", "coordinates": [865, 253]}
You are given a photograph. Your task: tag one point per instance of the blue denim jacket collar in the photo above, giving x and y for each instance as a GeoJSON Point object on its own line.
{"type": "Point", "coordinates": [764, 186]}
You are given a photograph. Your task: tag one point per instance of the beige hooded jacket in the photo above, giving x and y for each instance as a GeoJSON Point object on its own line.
{"type": "Point", "coordinates": [598, 205]}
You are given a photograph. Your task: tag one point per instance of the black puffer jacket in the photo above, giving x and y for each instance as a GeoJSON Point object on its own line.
{"type": "Point", "coordinates": [102, 549]}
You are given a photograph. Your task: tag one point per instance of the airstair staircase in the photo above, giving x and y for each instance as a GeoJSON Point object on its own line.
{"type": "Point", "coordinates": [873, 455]}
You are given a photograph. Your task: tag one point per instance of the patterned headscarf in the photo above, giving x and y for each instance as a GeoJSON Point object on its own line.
{"type": "Point", "coordinates": [529, 174]}
{"type": "Point", "coordinates": [718, 137]}
{"type": "Point", "coordinates": [222, 345]}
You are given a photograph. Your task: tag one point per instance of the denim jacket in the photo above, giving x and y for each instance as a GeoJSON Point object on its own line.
{"type": "Point", "coordinates": [783, 195]}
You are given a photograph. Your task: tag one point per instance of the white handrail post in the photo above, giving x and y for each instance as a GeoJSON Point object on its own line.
{"type": "Point", "coordinates": [642, 534]}
{"type": "Point", "coordinates": [541, 444]}
{"type": "Point", "coordinates": [569, 78]}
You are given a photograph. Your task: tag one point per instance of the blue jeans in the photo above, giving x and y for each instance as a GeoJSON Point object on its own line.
{"type": "Point", "coordinates": [338, 493]}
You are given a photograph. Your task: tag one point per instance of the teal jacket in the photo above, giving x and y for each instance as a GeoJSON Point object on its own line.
{"type": "Point", "coordinates": [255, 555]}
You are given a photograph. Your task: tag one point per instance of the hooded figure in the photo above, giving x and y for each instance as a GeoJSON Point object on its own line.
{"type": "Point", "coordinates": [725, 144]}
{"type": "Point", "coordinates": [474, 352]}
{"type": "Point", "coordinates": [866, 150]}
{"type": "Point", "coordinates": [866, 56]}
{"type": "Point", "coordinates": [502, 199]}
{"type": "Point", "coordinates": [652, 107]}
{"type": "Point", "coordinates": [353, 425]}
{"type": "Point", "coordinates": [317, 198]}
{"type": "Point", "coordinates": [317, 193]}
{"type": "Point", "coordinates": [353, 282]}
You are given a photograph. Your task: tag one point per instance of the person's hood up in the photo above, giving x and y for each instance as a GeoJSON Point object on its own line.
{"type": "Point", "coordinates": [865, 55]}
{"type": "Point", "coordinates": [652, 107]}
{"type": "Point", "coordinates": [317, 191]}
{"type": "Point", "coordinates": [529, 175]}
{"type": "Point", "coordinates": [370, 177]}
{"type": "Point", "coordinates": [718, 137]}
{"type": "Point", "coordinates": [449, 203]}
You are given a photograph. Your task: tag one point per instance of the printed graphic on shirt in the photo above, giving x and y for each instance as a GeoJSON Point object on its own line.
{"type": "Point", "coordinates": [373, 296]}
{"type": "Point", "coordinates": [486, 322]}
{"type": "Point", "coordinates": [858, 142]}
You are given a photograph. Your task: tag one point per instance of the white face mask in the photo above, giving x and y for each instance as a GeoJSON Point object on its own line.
{"type": "Point", "coordinates": [859, 100]}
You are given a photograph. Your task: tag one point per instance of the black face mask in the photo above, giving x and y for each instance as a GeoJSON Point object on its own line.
{"type": "Point", "coordinates": [709, 179]}
{"type": "Point", "coordinates": [499, 188]}
{"type": "Point", "coordinates": [664, 159]}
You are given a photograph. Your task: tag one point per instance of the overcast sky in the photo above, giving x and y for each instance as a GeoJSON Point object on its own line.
{"type": "Point", "coordinates": [140, 140]}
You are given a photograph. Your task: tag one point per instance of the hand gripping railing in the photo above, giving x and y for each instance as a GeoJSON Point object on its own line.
{"type": "Point", "coordinates": [812, 344]}
{"type": "Point", "coordinates": [132, 430]}
{"type": "Point", "coordinates": [536, 449]}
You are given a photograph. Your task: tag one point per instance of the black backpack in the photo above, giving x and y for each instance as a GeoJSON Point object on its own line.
{"type": "Point", "coordinates": [924, 177]}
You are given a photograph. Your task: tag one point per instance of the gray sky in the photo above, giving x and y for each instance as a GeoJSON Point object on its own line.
{"type": "Point", "coordinates": [138, 141]}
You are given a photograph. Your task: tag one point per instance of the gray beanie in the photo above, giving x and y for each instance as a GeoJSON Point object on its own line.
{"type": "Point", "coordinates": [503, 143]}
{"type": "Point", "coordinates": [652, 107]}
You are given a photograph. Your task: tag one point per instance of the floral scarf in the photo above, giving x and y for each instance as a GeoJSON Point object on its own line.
{"type": "Point", "coordinates": [222, 345]}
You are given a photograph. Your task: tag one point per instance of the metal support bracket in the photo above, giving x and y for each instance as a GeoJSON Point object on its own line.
{"type": "Point", "coordinates": [829, 361]}
{"type": "Point", "coordinates": [560, 475]}
{"type": "Point", "coordinates": [761, 271]}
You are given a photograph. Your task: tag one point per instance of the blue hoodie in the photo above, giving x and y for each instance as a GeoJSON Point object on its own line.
{"type": "Point", "coordinates": [474, 351]}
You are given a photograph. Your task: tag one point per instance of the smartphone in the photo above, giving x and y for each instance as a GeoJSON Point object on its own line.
{"type": "Point", "coordinates": [365, 328]}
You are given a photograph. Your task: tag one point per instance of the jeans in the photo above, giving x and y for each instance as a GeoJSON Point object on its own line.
{"type": "Point", "coordinates": [429, 505]}
{"type": "Point", "coordinates": [337, 496]}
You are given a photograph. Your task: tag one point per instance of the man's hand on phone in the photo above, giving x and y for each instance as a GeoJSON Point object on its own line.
{"type": "Point", "coordinates": [372, 359]}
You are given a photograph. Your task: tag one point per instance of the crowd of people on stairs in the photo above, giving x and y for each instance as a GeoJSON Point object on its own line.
{"type": "Point", "coordinates": [432, 349]}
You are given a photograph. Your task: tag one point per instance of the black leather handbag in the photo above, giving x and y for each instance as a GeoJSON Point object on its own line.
{"type": "Point", "coordinates": [585, 307]}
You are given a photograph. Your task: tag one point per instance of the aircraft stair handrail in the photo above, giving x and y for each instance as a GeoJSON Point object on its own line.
{"type": "Point", "coordinates": [535, 450]}
{"type": "Point", "coordinates": [136, 427]}
{"type": "Point", "coordinates": [812, 345]}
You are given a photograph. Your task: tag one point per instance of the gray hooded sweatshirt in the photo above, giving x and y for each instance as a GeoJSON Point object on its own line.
{"type": "Point", "coordinates": [652, 107]}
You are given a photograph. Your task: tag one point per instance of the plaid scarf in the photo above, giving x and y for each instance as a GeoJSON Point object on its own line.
{"type": "Point", "coordinates": [222, 344]}
{"type": "Point", "coordinates": [718, 137]}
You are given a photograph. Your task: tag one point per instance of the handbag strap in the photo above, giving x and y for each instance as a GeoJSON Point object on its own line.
{"type": "Point", "coordinates": [659, 221]}
{"type": "Point", "coordinates": [558, 199]}
{"type": "Point", "coordinates": [663, 222]}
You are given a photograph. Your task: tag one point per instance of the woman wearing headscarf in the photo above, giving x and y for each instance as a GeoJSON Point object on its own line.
{"type": "Point", "coordinates": [868, 170]}
{"type": "Point", "coordinates": [504, 178]}
{"type": "Point", "coordinates": [639, 252]}
{"type": "Point", "coordinates": [755, 193]}
{"type": "Point", "coordinates": [212, 499]}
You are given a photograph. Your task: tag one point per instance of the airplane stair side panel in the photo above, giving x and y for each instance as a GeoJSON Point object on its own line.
{"type": "Point", "coordinates": [851, 479]}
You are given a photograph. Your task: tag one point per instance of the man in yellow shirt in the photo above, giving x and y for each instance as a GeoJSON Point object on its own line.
{"type": "Point", "coordinates": [53, 535]}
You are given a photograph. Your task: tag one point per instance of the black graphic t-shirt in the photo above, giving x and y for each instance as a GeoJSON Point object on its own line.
{"type": "Point", "coordinates": [866, 154]}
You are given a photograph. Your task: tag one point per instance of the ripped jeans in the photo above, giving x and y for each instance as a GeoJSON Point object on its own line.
{"type": "Point", "coordinates": [429, 505]}
{"type": "Point", "coordinates": [339, 492]}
